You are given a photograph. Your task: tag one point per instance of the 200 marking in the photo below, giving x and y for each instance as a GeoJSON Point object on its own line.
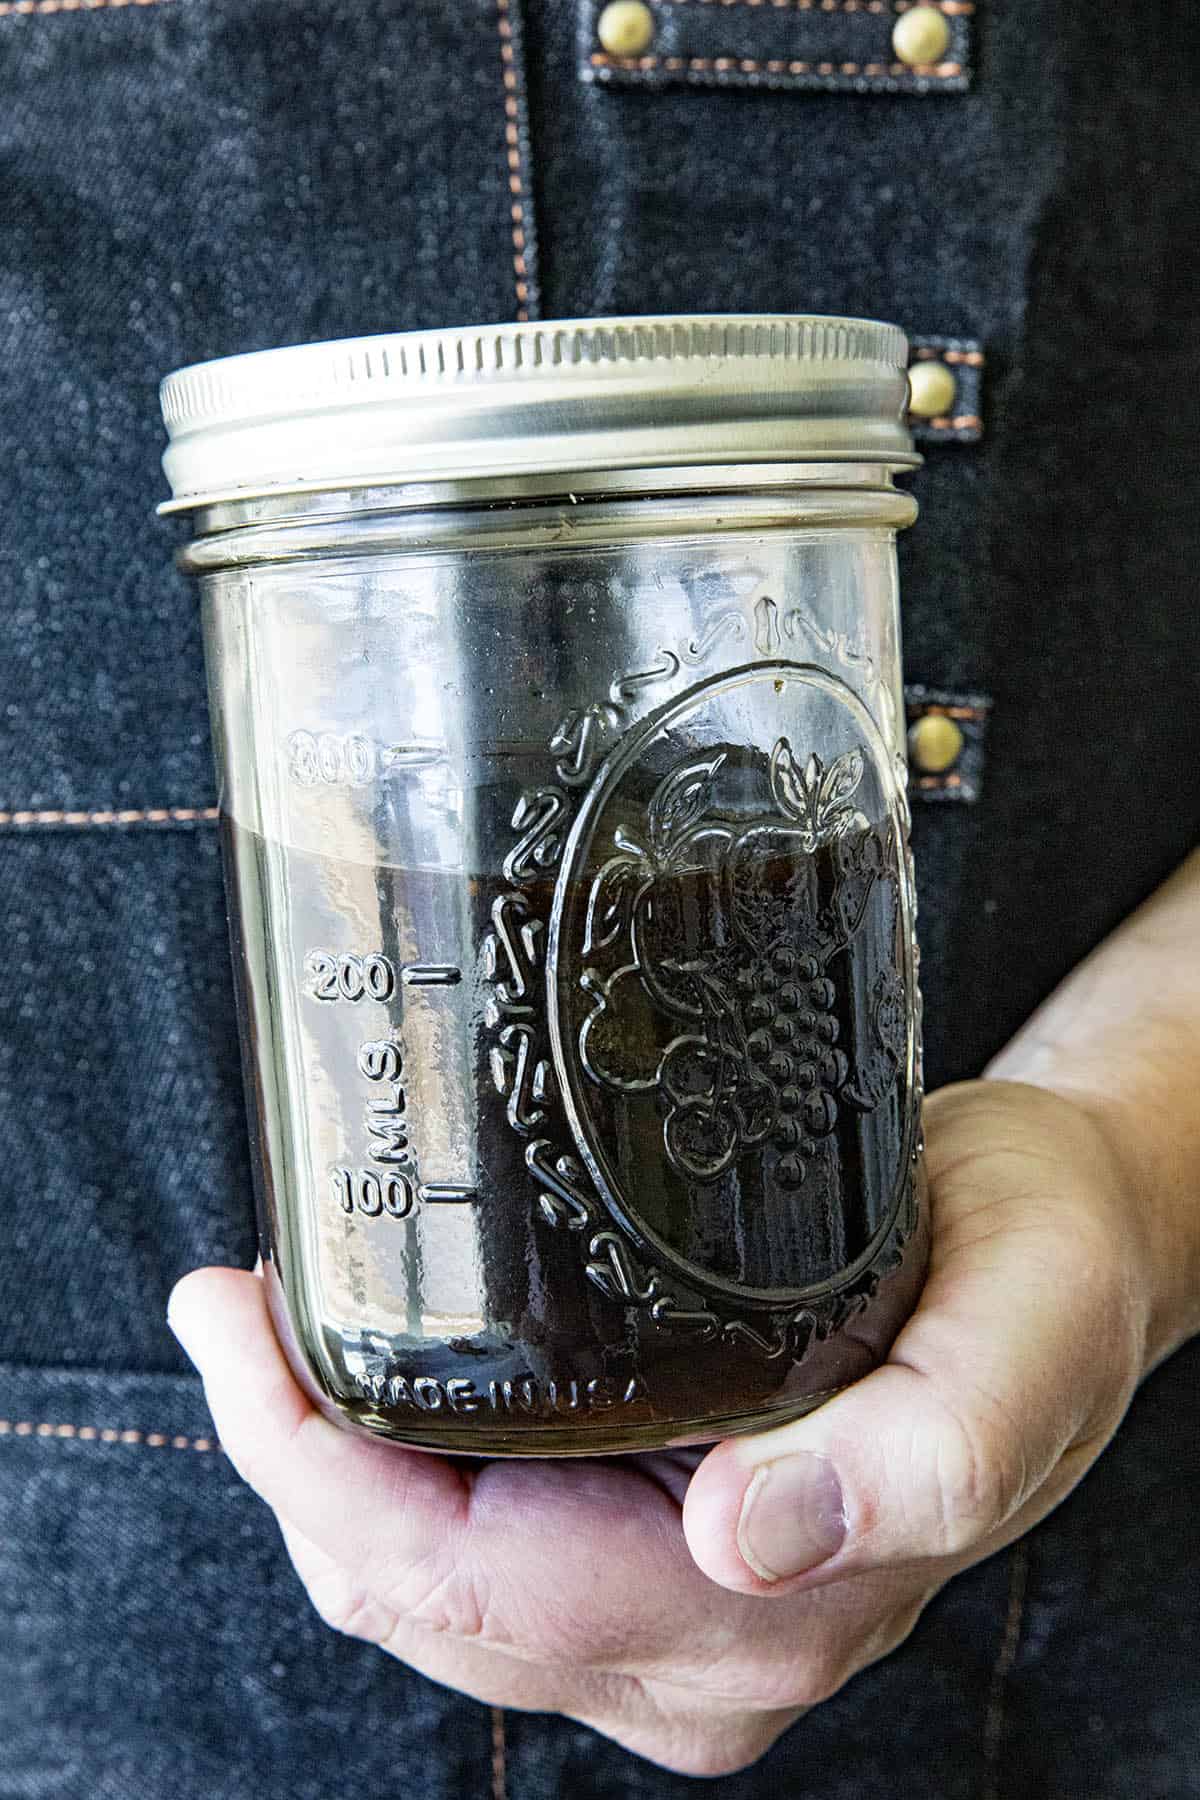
{"type": "Point", "coordinates": [349, 977]}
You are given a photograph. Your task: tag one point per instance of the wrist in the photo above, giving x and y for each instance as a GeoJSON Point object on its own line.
{"type": "Point", "coordinates": [1159, 1173]}
{"type": "Point", "coordinates": [1120, 1039]}
{"type": "Point", "coordinates": [1153, 1191]}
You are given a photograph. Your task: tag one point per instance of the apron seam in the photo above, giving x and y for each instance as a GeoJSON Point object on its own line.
{"type": "Point", "coordinates": [499, 1755]}
{"type": "Point", "coordinates": [518, 158]}
{"type": "Point", "coordinates": [48, 1430]}
{"type": "Point", "coordinates": [1006, 1655]}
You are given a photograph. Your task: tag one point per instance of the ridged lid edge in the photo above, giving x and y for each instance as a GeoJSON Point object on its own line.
{"type": "Point", "coordinates": [553, 398]}
{"type": "Point", "coordinates": [236, 388]}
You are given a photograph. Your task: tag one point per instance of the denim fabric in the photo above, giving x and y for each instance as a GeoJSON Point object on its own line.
{"type": "Point", "coordinates": [195, 177]}
{"type": "Point", "coordinates": [157, 1643]}
{"type": "Point", "coordinates": [1087, 639]}
{"type": "Point", "coordinates": [122, 1106]}
{"type": "Point", "coordinates": [1103, 1698]}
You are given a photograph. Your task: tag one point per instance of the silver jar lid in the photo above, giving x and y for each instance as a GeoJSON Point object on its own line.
{"type": "Point", "coordinates": [559, 397]}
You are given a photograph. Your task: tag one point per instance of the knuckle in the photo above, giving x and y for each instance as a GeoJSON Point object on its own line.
{"type": "Point", "coordinates": [709, 1753]}
{"type": "Point", "coordinates": [979, 1473]}
{"type": "Point", "coordinates": [449, 1598]}
{"type": "Point", "coordinates": [709, 1761]}
{"type": "Point", "coordinates": [579, 1641]}
{"type": "Point", "coordinates": [375, 1603]}
{"type": "Point", "coordinates": [351, 1609]}
{"type": "Point", "coordinates": [882, 1637]}
{"type": "Point", "coordinates": [783, 1680]}
{"type": "Point", "coordinates": [801, 1684]}
{"type": "Point", "coordinates": [815, 1680]}
{"type": "Point", "coordinates": [269, 1452]}
{"type": "Point", "coordinates": [1110, 1334]}
{"type": "Point", "coordinates": [893, 1631]}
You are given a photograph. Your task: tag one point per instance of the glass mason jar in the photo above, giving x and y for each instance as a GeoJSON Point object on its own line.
{"type": "Point", "coordinates": [555, 683]}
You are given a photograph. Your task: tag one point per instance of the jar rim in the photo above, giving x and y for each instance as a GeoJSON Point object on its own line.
{"type": "Point", "coordinates": [248, 533]}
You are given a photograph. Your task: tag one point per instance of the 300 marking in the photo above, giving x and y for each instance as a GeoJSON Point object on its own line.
{"type": "Point", "coordinates": [332, 758]}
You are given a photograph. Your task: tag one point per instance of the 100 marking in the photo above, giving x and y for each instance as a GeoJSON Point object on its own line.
{"type": "Point", "coordinates": [362, 1190]}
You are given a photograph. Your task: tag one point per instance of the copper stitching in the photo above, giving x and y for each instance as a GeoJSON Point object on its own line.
{"type": "Point", "coordinates": [1006, 1656]}
{"type": "Point", "coordinates": [921, 709]}
{"type": "Point", "coordinates": [953, 8]}
{"type": "Point", "coordinates": [106, 1434]}
{"type": "Point", "coordinates": [512, 153]}
{"type": "Point", "coordinates": [133, 815]}
{"type": "Point", "coordinates": [826, 6]}
{"type": "Point", "coordinates": [964, 422]}
{"type": "Point", "coordinates": [723, 65]}
{"type": "Point", "coordinates": [499, 1756]}
{"type": "Point", "coordinates": [24, 8]}
{"type": "Point", "coordinates": [930, 353]}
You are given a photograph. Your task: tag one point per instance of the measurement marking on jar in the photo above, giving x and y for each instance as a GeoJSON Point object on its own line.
{"type": "Point", "coordinates": [392, 1186]}
{"type": "Point", "coordinates": [371, 1193]}
{"type": "Point", "coordinates": [412, 756]}
{"type": "Point", "coordinates": [390, 1183]}
{"type": "Point", "coordinates": [331, 758]}
{"type": "Point", "coordinates": [350, 759]}
{"type": "Point", "coordinates": [386, 1114]}
{"type": "Point", "coordinates": [430, 975]}
{"type": "Point", "coordinates": [364, 1191]}
{"type": "Point", "coordinates": [349, 976]}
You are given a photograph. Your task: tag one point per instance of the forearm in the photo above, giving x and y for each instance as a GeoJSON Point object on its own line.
{"type": "Point", "coordinates": [1121, 1038]}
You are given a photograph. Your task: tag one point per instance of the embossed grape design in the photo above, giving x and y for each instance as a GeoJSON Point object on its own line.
{"type": "Point", "coordinates": [723, 1002]}
{"type": "Point", "coordinates": [792, 1035]}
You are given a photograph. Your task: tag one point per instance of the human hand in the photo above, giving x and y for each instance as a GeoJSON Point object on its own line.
{"type": "Point", "coordinates": [635, 1595]}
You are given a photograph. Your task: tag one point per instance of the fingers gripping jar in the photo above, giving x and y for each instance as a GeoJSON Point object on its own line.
{"type": "Point", "coordinates": [555, 682]}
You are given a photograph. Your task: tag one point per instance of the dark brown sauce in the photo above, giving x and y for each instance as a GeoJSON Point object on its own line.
{"type": "Point", "coordinates": [740, 1093]}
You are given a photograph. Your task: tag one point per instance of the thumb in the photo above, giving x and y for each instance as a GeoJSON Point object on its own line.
{"type": "Point", "coordinates": [1003, 1387]}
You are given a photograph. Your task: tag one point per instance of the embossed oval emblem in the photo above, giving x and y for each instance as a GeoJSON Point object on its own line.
{"type": "Point", "coordinates": [729, 981]}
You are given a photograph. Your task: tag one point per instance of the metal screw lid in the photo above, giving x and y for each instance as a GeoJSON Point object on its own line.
{"type": "Point", "coordinates": [539, 399]}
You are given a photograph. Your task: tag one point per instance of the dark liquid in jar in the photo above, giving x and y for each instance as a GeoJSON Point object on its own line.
{"type": "Point", "coordinates": [736, 1081]}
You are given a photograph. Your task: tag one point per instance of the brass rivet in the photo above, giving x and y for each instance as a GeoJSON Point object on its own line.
{"type": "Point", "coordinates": [934, 743]}
{"type": "Point", "coordinates": [921, 36]}
{"type": "Point", "coordinates": [625, 27]}
{"type": "Point", "coordinates": [931, 390]}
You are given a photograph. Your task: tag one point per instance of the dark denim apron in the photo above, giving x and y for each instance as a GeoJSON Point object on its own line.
{"type": "Point", "coordinates": [182, 179]}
